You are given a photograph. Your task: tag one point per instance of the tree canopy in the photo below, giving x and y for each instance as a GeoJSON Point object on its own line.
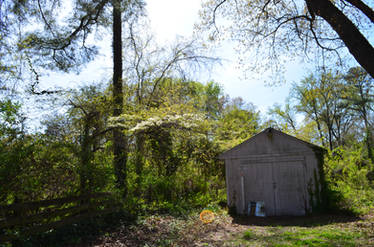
{"type": "Point", "coordinates": [278, 30]}
{"type": "Point", "coordinates": [149, 134]}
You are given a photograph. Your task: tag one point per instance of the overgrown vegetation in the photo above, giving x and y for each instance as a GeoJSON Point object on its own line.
{"type": "Point", "coordinates": [334, 107]}
{"type": "Point", "coordinates": [150, 136]}
{"type": "Point", "coordinates": [173, 144]}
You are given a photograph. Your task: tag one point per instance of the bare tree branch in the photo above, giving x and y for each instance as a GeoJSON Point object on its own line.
{"type": "Point", "coordinates": [214, 14]}
{"type": "Point", "coordinates": [363, 8]}
{"type": "Point", "coordinates": [46, 22]}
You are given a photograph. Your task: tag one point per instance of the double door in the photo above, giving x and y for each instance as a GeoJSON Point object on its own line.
{"type": "Point", "coordinates": [280, 185]}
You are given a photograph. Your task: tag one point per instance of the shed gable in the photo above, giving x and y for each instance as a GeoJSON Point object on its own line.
{"type": "Point", "coordinates": [269, 141]}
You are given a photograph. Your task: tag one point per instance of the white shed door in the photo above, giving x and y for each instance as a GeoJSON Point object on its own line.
{"type": "Point", "coordinates": [259, 186]}
{"type": "Point", "coordinates": [290, 188]}
{"type": "Point", "coordinates": [281, 185]}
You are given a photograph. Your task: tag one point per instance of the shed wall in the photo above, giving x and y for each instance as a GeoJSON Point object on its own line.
{"type": "Point", "coordinates": [279, 171]}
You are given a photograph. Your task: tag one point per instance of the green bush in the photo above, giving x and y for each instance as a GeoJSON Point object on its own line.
{"type": "Point", "coordinates": [347, 178]}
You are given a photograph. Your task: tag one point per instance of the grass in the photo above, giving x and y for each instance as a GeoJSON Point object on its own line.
{"type": "Point", "coordinates": [188, 230]}
{"type": "Point", "coordinates": [335, 234]}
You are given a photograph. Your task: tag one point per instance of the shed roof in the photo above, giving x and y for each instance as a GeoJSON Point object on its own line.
{"type": "Point", "coordinates": [267, 131]}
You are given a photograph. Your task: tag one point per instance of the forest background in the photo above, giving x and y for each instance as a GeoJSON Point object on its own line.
{"type": "Point", "coordinates": [150, 134]}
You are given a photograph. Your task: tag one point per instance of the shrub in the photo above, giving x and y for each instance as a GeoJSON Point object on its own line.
{"type": "Point", "coordinates": [347, 178]}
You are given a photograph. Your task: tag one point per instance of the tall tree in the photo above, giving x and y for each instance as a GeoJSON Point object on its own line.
{"type": "Point", "coordinates": [359, 93]}
{"type": "Point", "coordinates": [89, 110]}
{"type": "Point", "coordinates": [238, 122]}
{"type": "Point", "coordinates": [65, 47]}
{"type": "Point", "coordinates": [119, 140]}
{"type": "Point", "coordinates": [13, 16]}
{"type": "Point", "coordinates": [286, 117]}
{"type": "Point", "coordinates": [149, 70]}
{"type": "Point", "coordinates": [319, 98]}
{"type": "Point", "coordinates": [296, 26]}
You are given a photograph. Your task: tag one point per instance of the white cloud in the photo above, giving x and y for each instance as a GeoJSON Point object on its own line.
{"type": "Point", "coordinates": [172, 17]}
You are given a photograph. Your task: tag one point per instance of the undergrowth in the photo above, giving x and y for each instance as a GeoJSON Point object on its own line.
{"type": "Point", "coordinates": [350, 183]}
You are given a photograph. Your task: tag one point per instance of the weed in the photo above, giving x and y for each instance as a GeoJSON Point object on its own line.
{"type": "Point", "coordinates": [248, 235]}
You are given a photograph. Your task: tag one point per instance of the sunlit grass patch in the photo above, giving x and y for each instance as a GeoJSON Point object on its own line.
{"type": "Point", "coordinates": [328, 235]}
{"type": "Point", "coordinates": [320, 236]}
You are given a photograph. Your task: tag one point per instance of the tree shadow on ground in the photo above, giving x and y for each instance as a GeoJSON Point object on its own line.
{"type": "Point", "coordinates": [304, 221]}
{"type": "Point", "coordinates": [85, 231]}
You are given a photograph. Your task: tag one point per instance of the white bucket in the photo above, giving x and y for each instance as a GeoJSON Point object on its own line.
{"type": "Point", "coordinates": [260, 209]}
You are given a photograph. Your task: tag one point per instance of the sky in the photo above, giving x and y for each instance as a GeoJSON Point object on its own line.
{"type": "Point", "coordinates": [172, 18]}
{"type": "Point", "coordinates": [169, 18]}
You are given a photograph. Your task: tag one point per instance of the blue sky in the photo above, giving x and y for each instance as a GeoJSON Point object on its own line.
{"type": "Point", "coordinates": [171, 18]}
{"type": "Point", "coordinates": [180, 19]}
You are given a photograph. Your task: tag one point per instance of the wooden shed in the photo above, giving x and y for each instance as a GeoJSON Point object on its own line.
{"type": "Point", "coordinates": [279, 170]}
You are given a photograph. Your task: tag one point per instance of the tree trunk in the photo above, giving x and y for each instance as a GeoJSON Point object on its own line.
{"type": "Point", "coordinates": [368, 136]}
{"type": "Point", "coordinates": [85, 156]}
{"type": "Point", "coordinates": [364, 8]}
{"type": "Point", "coordinates": [369, 145]}
{"type": "Point", "coordinates": [119, 139]}
{"type": "Point", "coordinates": [331, 145]}
{"type": "Point", "coordinates": [139, 161]}
{"type": "Point", "coordinates": [316, 119]}
{"type": "Point", "coordinates": [356, 43]}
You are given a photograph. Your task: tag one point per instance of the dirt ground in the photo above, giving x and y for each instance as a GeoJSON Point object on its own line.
{"type": "Point", "coordinates": [171, 231]}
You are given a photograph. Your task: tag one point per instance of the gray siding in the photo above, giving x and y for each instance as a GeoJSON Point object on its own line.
{"type": "Point", "coordinates": [275, 168]}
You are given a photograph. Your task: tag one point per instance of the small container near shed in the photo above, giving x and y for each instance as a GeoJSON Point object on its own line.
{"type": "Point", "coordinates": [282, 172]}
